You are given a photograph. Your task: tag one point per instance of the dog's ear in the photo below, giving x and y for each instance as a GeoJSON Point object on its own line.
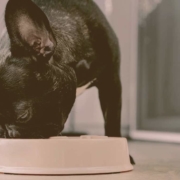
{"type": "Point", "coordinates": [29, 29]}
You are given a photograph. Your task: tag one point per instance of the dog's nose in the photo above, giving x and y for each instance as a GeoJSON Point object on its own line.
{"type": "Point", "coordinates": [12, 132]}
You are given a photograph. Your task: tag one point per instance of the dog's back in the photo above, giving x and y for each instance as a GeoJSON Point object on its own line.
{"type": "Point", "coordinates": [82, 33]}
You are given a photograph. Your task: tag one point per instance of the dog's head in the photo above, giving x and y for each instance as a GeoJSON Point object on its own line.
{"type": "Point", "coordinates": [37, 94]}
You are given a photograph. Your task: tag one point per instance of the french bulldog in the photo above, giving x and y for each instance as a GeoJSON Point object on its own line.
{"type": "Point", "coordinates": [55, 47]}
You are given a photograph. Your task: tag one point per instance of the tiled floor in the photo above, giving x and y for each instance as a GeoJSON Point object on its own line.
{"type": "Point", "coordinates": [154, 161]}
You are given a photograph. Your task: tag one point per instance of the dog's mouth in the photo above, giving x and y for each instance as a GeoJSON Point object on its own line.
{"type": "Point", "coordinates": [33, 132]}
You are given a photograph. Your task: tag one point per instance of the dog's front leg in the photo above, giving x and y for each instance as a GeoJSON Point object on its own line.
{"type": "Point", "coordinates": [110, 99]}
{"type": "Point", "coordinates": [109, 87]}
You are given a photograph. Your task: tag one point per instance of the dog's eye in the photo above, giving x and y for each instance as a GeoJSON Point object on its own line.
{"type": "Point", "coordinates": [24, 117]}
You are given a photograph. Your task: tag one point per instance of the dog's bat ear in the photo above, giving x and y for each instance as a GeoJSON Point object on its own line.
{"type": "Point", "coordinates": [29, 30]}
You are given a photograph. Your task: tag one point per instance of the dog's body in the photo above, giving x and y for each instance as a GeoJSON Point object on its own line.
{"type": "Point", "coordinates": [49, 58]}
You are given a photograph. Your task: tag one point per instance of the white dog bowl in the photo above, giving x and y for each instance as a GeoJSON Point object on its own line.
{"type": "Point", "coordinates": [65, 155]}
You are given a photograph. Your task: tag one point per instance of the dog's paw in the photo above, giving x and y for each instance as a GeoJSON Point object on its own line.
{"type": "Point", "coordinates": [132, 160]}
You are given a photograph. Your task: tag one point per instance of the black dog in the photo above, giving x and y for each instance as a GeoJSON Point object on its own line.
{"type": "Point", "coordinates": [55, 47]}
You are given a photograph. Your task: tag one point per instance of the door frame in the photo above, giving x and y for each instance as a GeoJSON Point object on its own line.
{"type": "Point", "coordinates": [134, 132]}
